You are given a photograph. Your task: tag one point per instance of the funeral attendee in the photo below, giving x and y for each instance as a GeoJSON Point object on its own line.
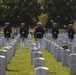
{"type": "Point", "coordinates": [71, 33]}
{"type": "Point", "coordinates": [65, 46]}
{"type": "Point", "coordinates": [39, 31]}
{"type": "Point", "coordinates": [23, 34]}
{"type": "Point", "coordinates": [55, 32]}
{"type": "Point", "coordinates": [7, 33]}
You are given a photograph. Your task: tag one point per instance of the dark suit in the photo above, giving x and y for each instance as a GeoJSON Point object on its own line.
{"type": "Point", "coordinates": [71, 33]}
{"type": "Point", "coordinates": [55, 32]}
{"type": "Point", "coordinates": [39, 31]}
{"type": "Point", "coordinates": [7, 32]}
{"type": "Point", "coordinates": [24, 32]}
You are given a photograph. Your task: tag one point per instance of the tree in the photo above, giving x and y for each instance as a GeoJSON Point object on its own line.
{"type": "Point", "coordinates": [61, 11]}
{"type": "Point", "coordinates": [17, 11]}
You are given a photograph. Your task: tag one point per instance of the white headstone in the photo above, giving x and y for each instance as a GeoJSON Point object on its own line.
{"type": "Point", "coordinates": [55, 50]}
{"type": "Point", "coordinates": [64, 43]}
{"type": "Point", "coordinates": [46, 47]}
{"type": "Point", "coordinates": [8, 54]}
{"type": "Point", "coordinates": [4, 53]}
{"type": "Point", "coordinates": [29, 43]}
{"type": "Point", "coordinates": [59, 42]}
{"type": "Point", "coordinates": [72, 63]}
{"type": "Point", "coordinates": [52, 47]}
{"type": "Point", "coordinates": [29, 36]}
{"type": "Point", "coordinates": [75, 41]}
{"type": "Point", "coordinates": [0, 42]}
{"type": "Point", "coordinates": [11, 51]}
{"type": "Point", "coordinates": [65, 57]}
{"type": "Point", "coordinates": [60, 36]}
{"type": "Point", "coordinates": [32, 46]}
{"type": "Point", "coordinates": [38, 62]}
{"type": "Point", "coordinates": [2, 65]}
{"type": "Point", "coordinates": [58, 54]}
{"type": "Point", "coordinates": [74, 48]}
{"type": "Point", "coordinates": [31, 54]}
{"type": "Point", "coordinates": [70, 46]}
{"type": "Point", "coordinates": [41, 71]}
{"type": "Point", "coordinates": [37, 54]}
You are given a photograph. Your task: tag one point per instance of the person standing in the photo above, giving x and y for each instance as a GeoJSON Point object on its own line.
{"type": "Point", "coordinates": [71, 33]}
{"type": "Point", "coordinates": [39, 31]}
{"type": "Point", "coordinates": [55, 32]}
{"type": "Point", "coordinates": [23, 34]}
{"type": "Point", "coordinates": [7, 33]}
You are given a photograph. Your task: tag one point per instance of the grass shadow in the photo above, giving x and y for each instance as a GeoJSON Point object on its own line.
{"type": "Point", "coordinates": [12, 70]}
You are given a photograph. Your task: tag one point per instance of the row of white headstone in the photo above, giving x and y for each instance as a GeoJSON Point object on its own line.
{"type": "Point", "coordinates": [67, 57]}
{"type": "Point", "coordinates": [36, 59]}
{"type": "Point", "coordinates": [2, 41]}
{"type": "Point", "coordinates": [62, 37]}
{"type": "Point", "coordinates": [6, 55]}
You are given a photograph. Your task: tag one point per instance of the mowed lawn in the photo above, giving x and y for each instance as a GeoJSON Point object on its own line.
{"type": "Point", "coordinates": [20, 63]}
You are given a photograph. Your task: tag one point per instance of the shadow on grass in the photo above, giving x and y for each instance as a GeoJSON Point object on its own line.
{"type": "Point", "coordinates": [12, 70]}
{"type": "Point", "coordinates": [53, 72]}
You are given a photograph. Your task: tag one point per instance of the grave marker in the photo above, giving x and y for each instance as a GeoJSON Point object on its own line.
{"type": "Point", "coordinates": [38, 62]}
{"type": "Point", "coordinates": [72, 63]}
{"type": "Point", "coordinates": [41, 71]}
{"type": "Point", "coordinates": [2, 65]}
{"type": "Point", "coordinates": [65, 57]}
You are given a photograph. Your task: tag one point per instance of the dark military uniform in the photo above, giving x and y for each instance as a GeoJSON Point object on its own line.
{"type": "Point", "coordinates": [7, 32]}
{"type": "Point", "coordinates": [71, 33]}
{"type": "Point", "coordinates": [55, 32]}
{"type": "Point", "coordinates": [39, 31]}
{"type": "Point", "coordinates": [23, 32]}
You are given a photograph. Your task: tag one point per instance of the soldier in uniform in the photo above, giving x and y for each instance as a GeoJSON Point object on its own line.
{"type": "Point", "coordinates": [39, 31]}
{"type": "Point", "coordinates": [23, 34]}
{"type": "Point", "coordinates": [55, 32]}
{"type": "Point", "coordinates": [71, 33]}
{"type": "Point", "coordinates": [7, 33]}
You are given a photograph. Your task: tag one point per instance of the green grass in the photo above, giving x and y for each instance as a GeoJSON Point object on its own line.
{"type": "Point", "coordinates": [1, 47]}
{"type": "Point", "coordinates": [20, 63]}
{"type": "Point", "coordinates": [55, 68]}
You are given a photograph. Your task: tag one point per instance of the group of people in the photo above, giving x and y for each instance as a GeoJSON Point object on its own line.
{"type": "Point", "coordinates": [38, 34]}
{"type": "Point", "coordinates": [23, 31]}
{"type": "Point", "coordinates": [70, 33]}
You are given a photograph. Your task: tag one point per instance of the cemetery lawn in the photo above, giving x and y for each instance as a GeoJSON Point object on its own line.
{"type": "Point", "coordinates": [1, 47]}
{"type": "Point", "coordinates": [55, 67]}
{"type": "Point", "coordinates": [20, 63]}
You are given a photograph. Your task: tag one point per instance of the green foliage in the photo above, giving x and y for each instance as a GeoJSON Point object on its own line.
{"type": "Point", "coordinates": [17, 11]}
{"type": "Point", "coordinates": [43, 18]}
{"type": "Point", "coordinates": [61, 11]}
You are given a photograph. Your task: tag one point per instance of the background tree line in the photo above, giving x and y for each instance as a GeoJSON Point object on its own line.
{"type": "Point", "coordinates": [31, 11]}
